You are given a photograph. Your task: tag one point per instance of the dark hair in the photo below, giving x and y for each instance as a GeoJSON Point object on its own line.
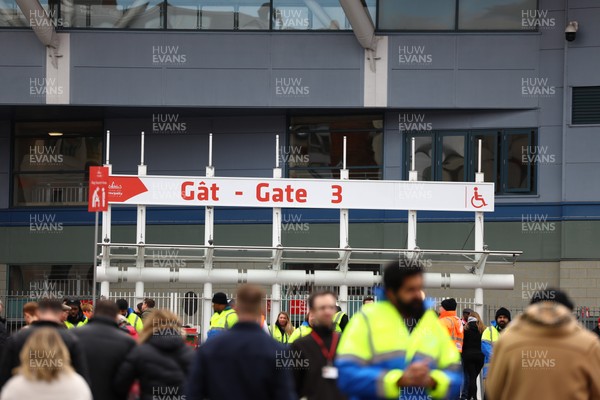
{"type": "Point", "coordinates": [249, 299]}
{"type": "Point", "coordinates": [139, 307]}
{"type": "Point", "coordinates": [368, 298]}
{"type": "Point", "coordinates": [553, 295]}
{"type": "Point", "coordinates": [122, 304]}
{"type": "Point", "coordinates": [106, 308]}
{"type": "Point", "coordinates": [395, 273]}
{"type": "Point", "coordinates": [321, 293]}
{"type": "Point", "coordinates": [47, 304]}
{"type": "Point", "coordinates": [149, 302]}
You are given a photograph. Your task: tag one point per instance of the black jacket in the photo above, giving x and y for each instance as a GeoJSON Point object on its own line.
{"type": "Point", "coordinates": [161, 364]}
{"type": "Point", "coordinates": [105, 347]}
{"type": "Point", "coordinates": [472, 341]}
{"type": "Point", "coordinates": [308, 374]}
{"type": "Point", "coordinates": [14, 344]}
{"type": "Point", "coordinates": [243, 363]}
{"type": "Point", "coordinates": [3, 333]}
{"type": "Point", "coordinates": [596, 330]}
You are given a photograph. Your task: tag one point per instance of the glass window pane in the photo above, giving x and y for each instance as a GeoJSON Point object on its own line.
{"type": "Point", "coordinates": [12, 16]}
{"type": "Point", "coordinates": [308, 14]}
{"type": "Point", "coordinates": [518, 170]}
{"type": "Point", "coordinates": [316, 146]}
{"type": "Point", "coordinates": [452, 156]}
{"type": "Point", "coordinates": [497, 14]}
{"type": "Point", "coordinates": [417, 15]}
{"type": "Point", "coordinates": [121, 14]}
{"type": "Point", "coordinates": [50, 189]}
{"type": "Point", "coordinates": [423, 157]}
{"type": "Point", "coordinates": [489, 159]}
{"type": "Point", "coordinates": [255, 16]}
{"type": "Point", "coordinates": [50, 169]}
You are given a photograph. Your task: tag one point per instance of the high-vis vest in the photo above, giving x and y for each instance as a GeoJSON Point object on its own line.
{"type": "Point", "coordinates": [276, 334]}
{"type": "Point", "coordinates": [455, 328]}
{"type": "Point", "coordinates": [80, 323]}
{"type": "Point", "coordinates": [135, 321]}
{"type": "Point", "coordinates": [376, 348]}
{"type": "Point", "coordinates": [488, 338]}
{"type": "Point", "coordinates": [300, 332]}
{"type": "Point", "coordinates": [337, 318]}
{"type": "Point", "coordinates": [222, 321]}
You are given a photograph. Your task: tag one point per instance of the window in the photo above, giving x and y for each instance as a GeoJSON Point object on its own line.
{"type": "Point", "coordinates": [52, 160]}
{"type": "Point", "coordinates": [430, 15]}
{"type": "Point", "coordinates": [447, 15]}
{"type": "Point", "coordinates": [186, 14]}
{"type": "Point", "coordinates": [37, 281]}
{"type": "Point", "coordinates": [500, 15]}
{"type": "Point", "coordinates": [315, 147]}
{"type": "Point", "coordinates": [452, 156]}
{"type": "Point", "coordinates": [586, 105]}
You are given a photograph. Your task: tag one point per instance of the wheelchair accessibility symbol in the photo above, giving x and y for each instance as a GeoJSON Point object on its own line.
{"type": "Point", "coordinates": [477, 200]}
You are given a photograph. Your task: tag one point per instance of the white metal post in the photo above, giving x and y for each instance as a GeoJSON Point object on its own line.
{"type": "Point", "coordinates": [411, 242]}
{"type": "Point", "coordinates": [141, 230]}
{"type": "Point", "coordinates": [276, 240]}
{"type": "Point", "coordinates": [208, 241]}
{"type": "Point", "coordinates": [479, 178]}
{"type": "Point", "coordinates": [106, 229]}
{"type": "Point", "coordinates": [344, 233]}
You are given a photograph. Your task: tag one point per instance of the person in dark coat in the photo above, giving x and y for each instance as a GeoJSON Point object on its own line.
{"type": "Point", "coordinates": [49, 312]}
{"type": "Point", "coordinates": [242, 363]}
{"type": "Point", "coordinates": [310, 352]}
{"type": "Point", "coordinates": [3, 331]}
{"type": "Point", "coordinates": [596, 329]}
{"type": "Point", "coordinates": [105, 347]}
{"type": "Point", "coordinates": [472, 356]}
{"type": "Point", "coordinates": [161, 362]}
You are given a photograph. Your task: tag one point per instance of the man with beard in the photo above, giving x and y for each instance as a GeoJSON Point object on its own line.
{"type": "Point", "coordinates": [315, 374]}
{"type": "Point", "coordinates": [490, 335]}
{"type": "Point", "coordinates": [76, 317]}
{"type": "Point", "coordinates": [396, 347]}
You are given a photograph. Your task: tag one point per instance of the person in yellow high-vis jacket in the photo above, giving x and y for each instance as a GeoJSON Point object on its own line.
{"type": "Point", "coordinates": [395, 347]}
{"type": "Point", "coordinates": [224, 317]}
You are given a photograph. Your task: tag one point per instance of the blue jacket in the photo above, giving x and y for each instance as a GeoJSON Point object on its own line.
{"type": "Point", "coordinates": [242, 363]}
{"type": "Point", "coordinates": [489, 336]}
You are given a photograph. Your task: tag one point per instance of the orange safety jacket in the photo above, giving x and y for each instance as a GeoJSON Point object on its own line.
{"type": "Point", "coordinates": [454, 326]}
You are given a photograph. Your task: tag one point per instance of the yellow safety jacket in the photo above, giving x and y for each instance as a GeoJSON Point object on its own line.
{"type": "Point", "coordinates": [276, 334]}
{"type": "Point", "coordinates": [80, 323]}
{"type": "Point", "coordinates": [336, 320]}
{"type": "Point", "coordinates": [488, 338]}
{"type": "Point", "coordinates": [376, 348]}
{"type": "Point", "coordinates": [221, 321]}
{"type": "Point", "coordinates": [135, 321]}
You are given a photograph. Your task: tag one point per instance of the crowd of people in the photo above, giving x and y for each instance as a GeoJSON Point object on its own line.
{"type": "Point", "coordinates": [393, 348]}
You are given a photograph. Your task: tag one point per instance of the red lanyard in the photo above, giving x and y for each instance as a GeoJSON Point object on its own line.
{"type": "Point", "coordinates": [334, 340]}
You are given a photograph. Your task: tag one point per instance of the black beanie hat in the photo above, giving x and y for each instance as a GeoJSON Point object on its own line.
{"type": "Point", "coordinates": [220, 298]}
{"type": "Point", "coordinates": [554, 295]}
{"type": "Point", "coordinates": [449, 304]}
{"type": "Point", "coordinates": [502, 311]}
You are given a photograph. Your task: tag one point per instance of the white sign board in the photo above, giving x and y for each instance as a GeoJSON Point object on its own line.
{"type": "Point", "coordinates": [301, 193]}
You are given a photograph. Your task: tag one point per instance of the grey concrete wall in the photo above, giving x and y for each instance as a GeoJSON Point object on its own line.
{"type": "Point", "coordinates": [216, 69]}
{"type": "Point", "coordinates": [22, 68]}
{"type": "Point", "coordinates": [581, 175]}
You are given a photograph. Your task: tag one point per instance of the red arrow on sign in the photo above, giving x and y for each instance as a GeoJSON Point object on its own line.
{"type": "Point", "coordinates": [122, 188]}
